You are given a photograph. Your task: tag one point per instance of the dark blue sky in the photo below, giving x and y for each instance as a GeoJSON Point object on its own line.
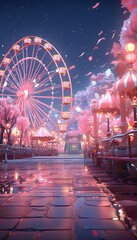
{"type": "Point", "coordinates": [71, 26]}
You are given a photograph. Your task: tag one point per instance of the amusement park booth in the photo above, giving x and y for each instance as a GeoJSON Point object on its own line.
{"type": "Point", "coordinates": [73, 142]}
{"type": "Point", "coordinates": [43, 144]}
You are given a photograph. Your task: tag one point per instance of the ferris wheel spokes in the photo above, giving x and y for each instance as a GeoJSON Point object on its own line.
{"type": "Point", "coordinates": [35, 74]}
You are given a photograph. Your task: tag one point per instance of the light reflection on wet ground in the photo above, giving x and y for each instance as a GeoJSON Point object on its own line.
{"type": "Point", "coordinates": [62, 198]}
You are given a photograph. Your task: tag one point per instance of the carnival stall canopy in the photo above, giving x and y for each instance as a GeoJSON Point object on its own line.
{"type": "Point", "coordinates": [42, 134]}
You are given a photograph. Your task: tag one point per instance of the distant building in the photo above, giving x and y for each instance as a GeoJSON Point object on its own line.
{"type": "Point", "coordinates": [73, 141]}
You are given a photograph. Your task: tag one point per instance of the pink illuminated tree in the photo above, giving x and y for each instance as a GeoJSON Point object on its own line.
{"type": "Point", "coordinates": [8, 117]}
{"type": "Point", "coordinates": [85, 125]}
{"type": "Point", "coordinates": [84, 122]}
{"type": "Point", "coordinates": [22, 124]}
{"type": "Point", "coordinates": [98, 85]}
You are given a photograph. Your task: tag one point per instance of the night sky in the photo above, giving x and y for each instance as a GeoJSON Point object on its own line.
{"type": "Point", "coordinates": [73, 27]}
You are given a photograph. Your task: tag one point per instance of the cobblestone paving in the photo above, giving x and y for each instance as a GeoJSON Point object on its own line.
{"type": "Point", "coordinates": [58, 199]}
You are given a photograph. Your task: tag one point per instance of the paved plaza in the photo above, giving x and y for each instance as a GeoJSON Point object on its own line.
{"type": "Point", "coordinates": [59, 198]}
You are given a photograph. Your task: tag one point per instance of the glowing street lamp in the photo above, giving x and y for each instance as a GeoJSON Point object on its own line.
{"type": "Point", "coordinates": [130, 55]}
{"type": "Point", "coordinates": [134, 104]}
{"type": "Point", "coordinates": [108, 124]}
{"type": "Point", "coordinates": [130, 47]}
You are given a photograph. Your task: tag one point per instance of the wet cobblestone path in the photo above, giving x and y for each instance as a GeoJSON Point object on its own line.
{"type": "Point", "coordinates": [62, 198]}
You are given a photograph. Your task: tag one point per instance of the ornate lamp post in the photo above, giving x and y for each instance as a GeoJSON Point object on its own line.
{"type": "Point", "coordinates": [108, 125]}
{"type": "Point", "coordinates": [134, 104]}
{"type": "Point", "coordinates": [95, 122]}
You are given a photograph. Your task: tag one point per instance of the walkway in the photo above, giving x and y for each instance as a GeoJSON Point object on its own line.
{"type": "Point", "coordinates": [58, 198]}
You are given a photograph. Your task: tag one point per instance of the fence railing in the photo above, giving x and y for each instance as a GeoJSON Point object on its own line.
{"type": "Point", "coordinates": [122, 145]}
{"type": "Point", "coordinates": [10, 152]}
{"type": "Point", "coordinates": [117, 154]}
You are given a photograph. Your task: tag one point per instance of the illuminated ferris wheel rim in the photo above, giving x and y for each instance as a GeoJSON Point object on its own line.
{"type": "Point", "coordinates": [25, 43]}
{"type": "Point", "coordinates": [35, 37]}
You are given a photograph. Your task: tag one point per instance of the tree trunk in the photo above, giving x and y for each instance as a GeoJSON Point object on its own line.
{"type": "Point", "coordinates": [21, 137]}
{"type": "Point", "coordinates": [9, 140]}
{"type": "Point", "coordinates": [1, 134]}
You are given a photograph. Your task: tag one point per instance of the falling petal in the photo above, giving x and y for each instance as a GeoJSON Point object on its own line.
{"type": "Point", "coordinates": [98, 77]}
{"type": "Point", "coordinates": [100, 33]}
{"type": "Point", "coordinates": [100, 40]}
{"type": "Point", "coordinates": [96, 5]}
{"type": "Point", "coordinates": [90, 58]}
{"type": "Point", "coordinates": [96, 47]}
{"type": "Point", "coordinates": [113, 35]}
{"type": "Point", "coordinates": [81, 54]}
{"type": "Point", "coordinates": [115, 62]}
{"type": "Point", "coordinates": [89, 73]}
{"type": "Point", "coordinates": [124, 12]}
{"type": "Point", "coordinates": [103, 65]}
{"type": "Point", "coordinates": [72, 67]}
{"type": "Point", "coordinates": [75, 76]}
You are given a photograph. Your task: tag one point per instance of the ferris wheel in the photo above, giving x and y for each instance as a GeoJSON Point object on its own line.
{"type": "Point", "coordinates": [34, 74]}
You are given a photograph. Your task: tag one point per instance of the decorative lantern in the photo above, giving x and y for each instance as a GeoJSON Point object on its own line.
{"type": "Point", "coordinates": [116, 128]}
{"type": "Point", "coordinates": [130, 56]}
{"type": "Point", "coordinates": [129, 47]}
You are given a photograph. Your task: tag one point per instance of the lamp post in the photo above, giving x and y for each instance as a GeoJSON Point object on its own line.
{"type": "Point", "coordinates": [134, 104]}
{"type": "Point", "coordinates": [95, 126]}
{"type": "Point", "coordinates": [108, 125]}
{"type": "Point", "coordinates": [123, 124]}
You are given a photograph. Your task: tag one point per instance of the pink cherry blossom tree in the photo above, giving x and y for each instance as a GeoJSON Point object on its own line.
{"type": "Point", "coordinates": [85, 126]}
{"type": "Point", "coordinates": [8, 117]}
{"type": "Point", "coordinates": [98, 85]}
{"type": "Point", "coordinates": [84, 122]}
{"type": "Point", "coordinates": [22, 124]}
